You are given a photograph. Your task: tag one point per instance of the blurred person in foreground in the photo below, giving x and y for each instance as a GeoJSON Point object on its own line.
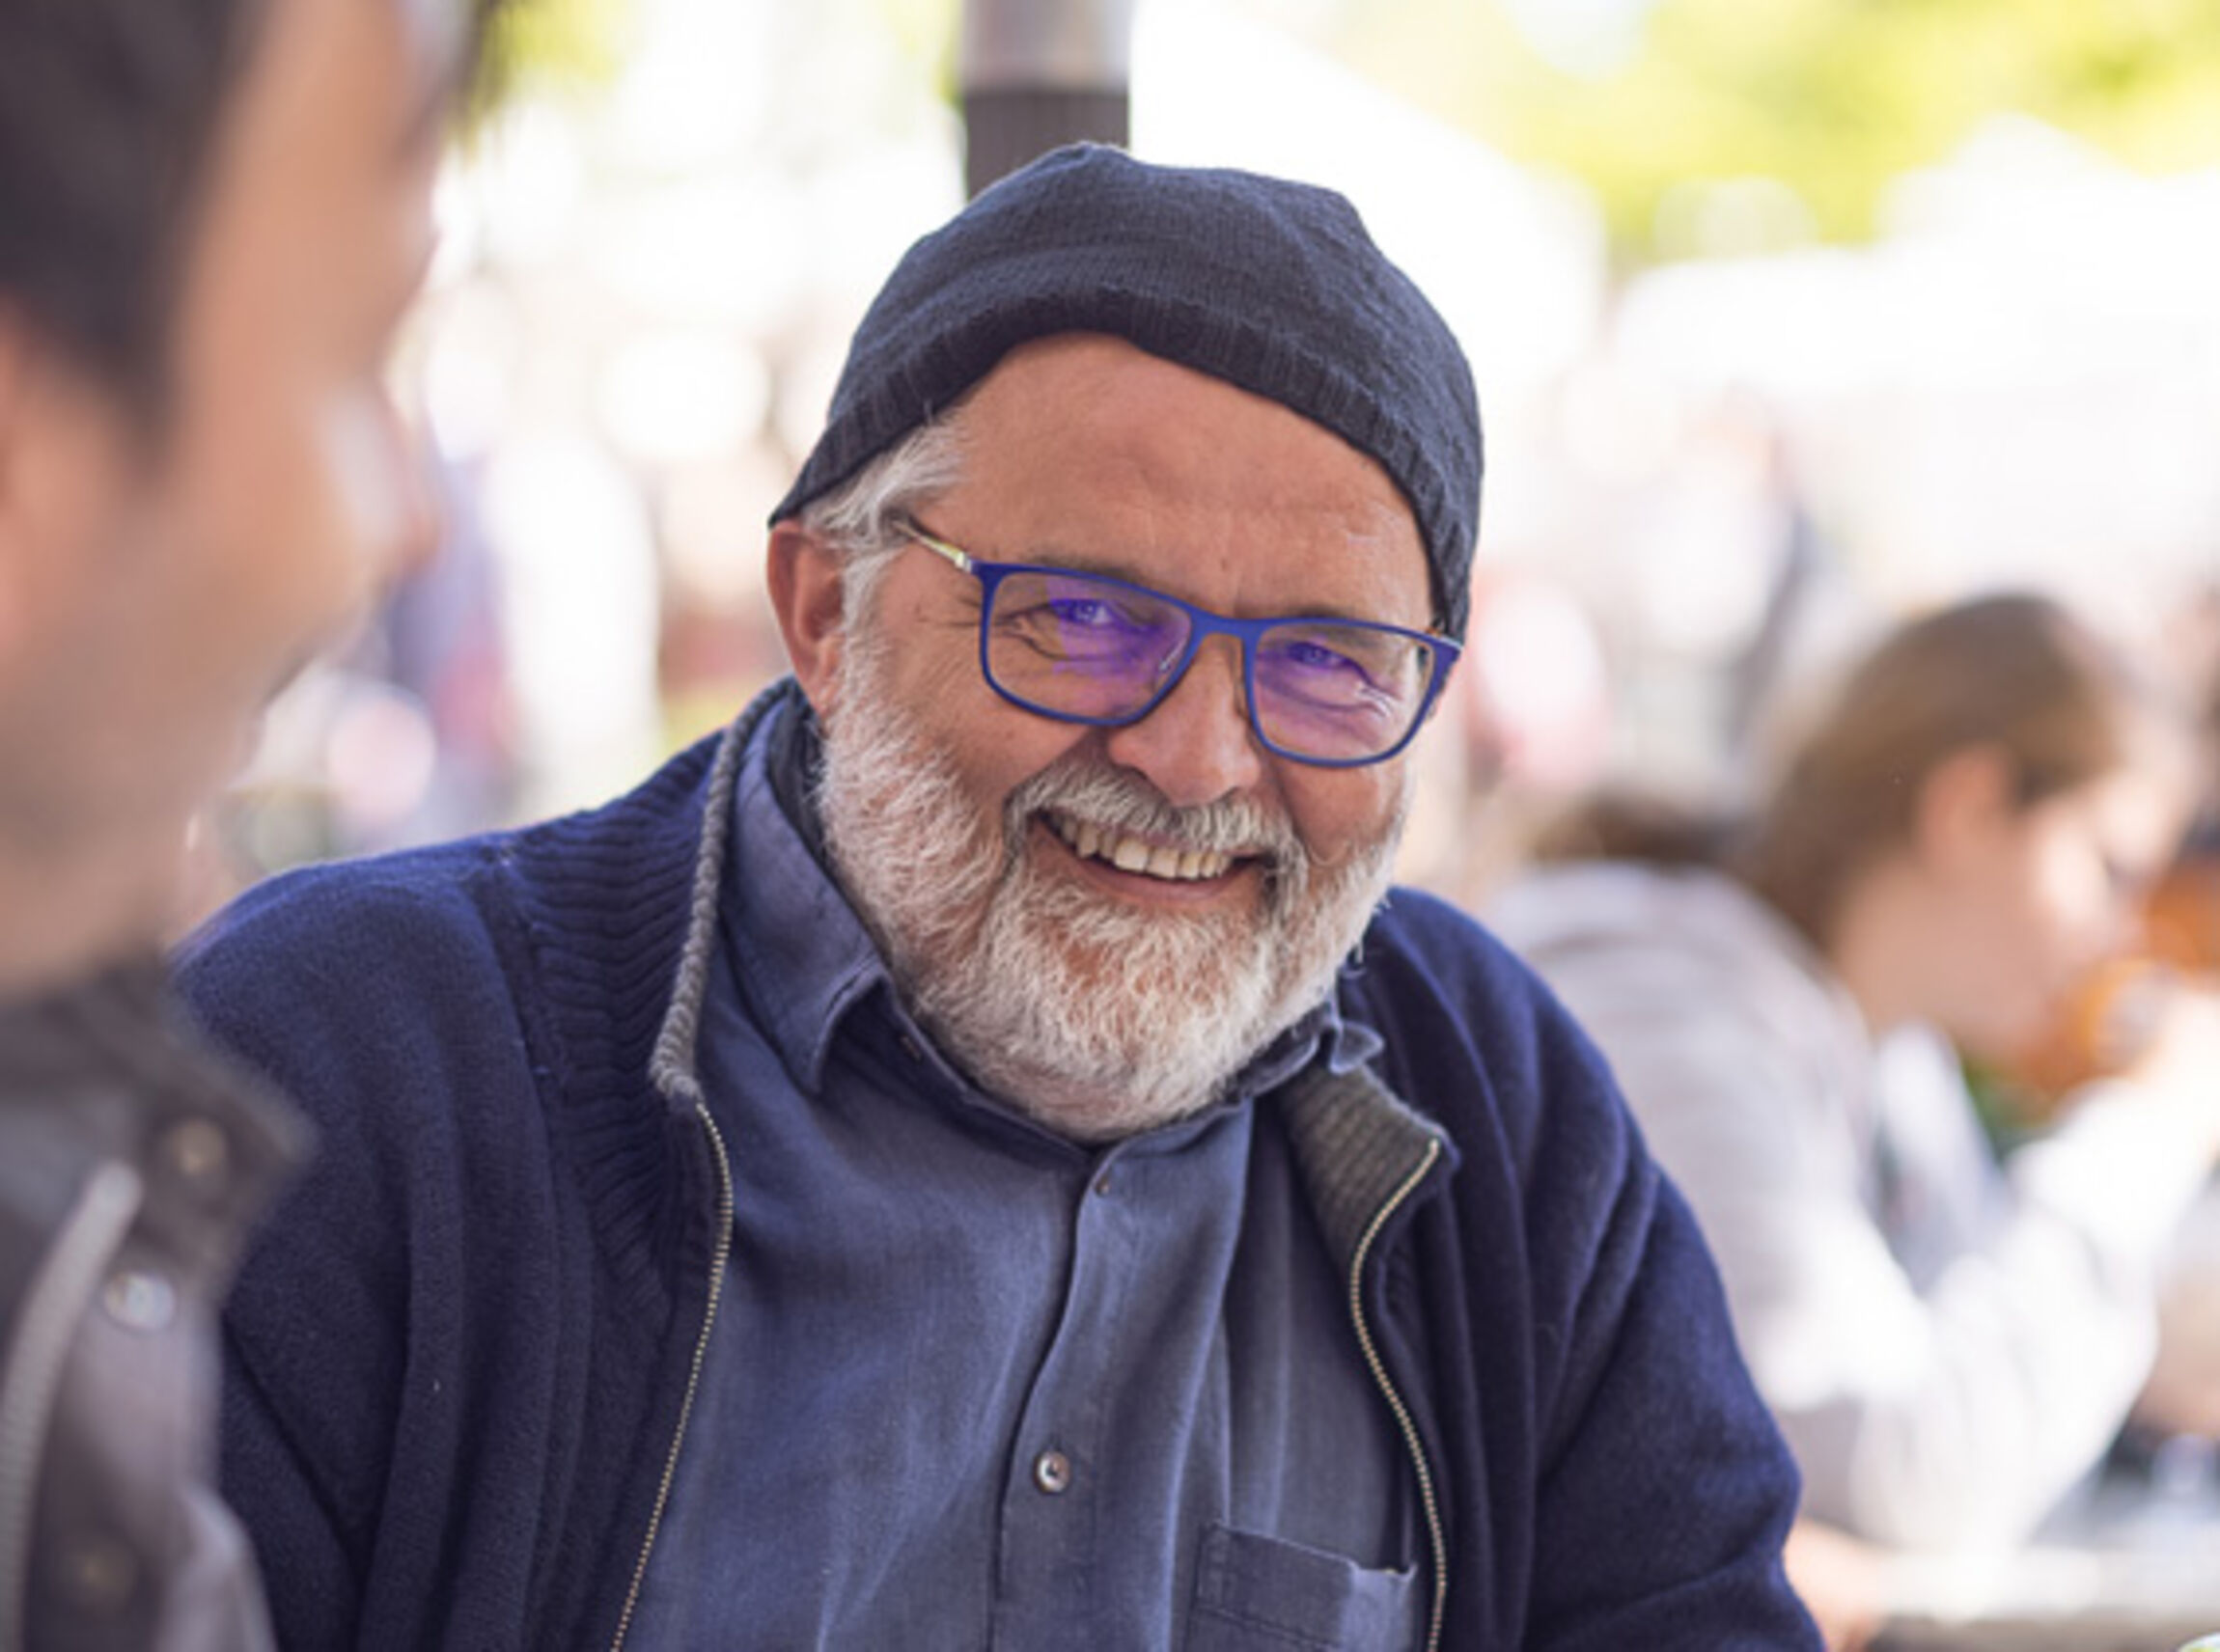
{"type": "Point", "coordinates": [212, 214]}
{"type": "Point", "coordinates": [963, 1157]}
{"type": "Point", "coordinates": [1950, 1343]}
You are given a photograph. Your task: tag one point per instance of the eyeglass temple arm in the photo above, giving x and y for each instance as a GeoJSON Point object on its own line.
{"type": "Point", "coordinates": [961, 559]}
{"type": "Point", "coordinates": [1445, 653]}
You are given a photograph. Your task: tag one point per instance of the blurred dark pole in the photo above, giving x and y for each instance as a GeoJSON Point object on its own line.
{"type": "Point", "coordinates": [1038, 74]}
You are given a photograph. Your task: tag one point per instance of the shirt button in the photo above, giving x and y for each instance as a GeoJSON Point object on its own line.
{"type": "Point", "coordinates": [912, 1049]}
{"type": "Point", "coordinates": [199, 1153]}
{"type": "Point", "coordinates": [1052, 1472]}
{"type": "Point", "coordinates": [1102, 1185]}
{"type": "Point", "coordinates": [139, 1299]}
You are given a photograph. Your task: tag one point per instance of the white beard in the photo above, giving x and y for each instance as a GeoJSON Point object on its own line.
{"type": "Point", "coordinates": [1098, 1018]}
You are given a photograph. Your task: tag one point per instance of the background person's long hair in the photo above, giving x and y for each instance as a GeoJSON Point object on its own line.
{"type": "Point", "coordinates": [2015, 673]}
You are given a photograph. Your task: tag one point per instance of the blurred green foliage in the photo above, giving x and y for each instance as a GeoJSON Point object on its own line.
{"type": "Point", "coordinates": [580, 45]}
{"type": "Point", "coordinates": [927, 31]}
{"type": "Point", "coordinates": [547, 45]}
{"type": "Point", "coordinates": [1829, 100]}
{"type": "Point", "coordinates": [1832, 99]}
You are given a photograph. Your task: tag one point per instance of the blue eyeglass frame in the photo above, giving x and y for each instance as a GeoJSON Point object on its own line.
{"type": "Point", "coordinates": [1442, 651]}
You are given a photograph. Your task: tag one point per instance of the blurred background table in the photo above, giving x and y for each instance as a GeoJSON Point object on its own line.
{"type": "Point", "coordinates": [2133, 1567]}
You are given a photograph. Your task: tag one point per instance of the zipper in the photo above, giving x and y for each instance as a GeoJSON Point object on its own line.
{"type": "Point", "coordinates": [1401, 1412]}
{"type": "Point", "coordinates": [717, 1260]}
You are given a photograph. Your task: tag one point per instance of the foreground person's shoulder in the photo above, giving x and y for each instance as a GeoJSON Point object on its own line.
{"type": "Point", "coordinates": [341, 906]}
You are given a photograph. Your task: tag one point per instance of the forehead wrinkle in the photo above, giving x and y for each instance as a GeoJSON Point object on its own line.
{"type": "Point", "coordinates": [1112, 568]}
{"type": "Point", "coordinates": [1057, 552]}
{"type": "Point", "coordinates": [1191, 486]}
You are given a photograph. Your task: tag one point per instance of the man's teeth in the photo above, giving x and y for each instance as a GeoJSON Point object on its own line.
{"type": "Point", "coordinates": [1132, 855]}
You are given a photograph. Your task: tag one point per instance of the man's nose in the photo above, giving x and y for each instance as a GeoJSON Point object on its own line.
{"type": "Point", "coordinates": [1196, 747]}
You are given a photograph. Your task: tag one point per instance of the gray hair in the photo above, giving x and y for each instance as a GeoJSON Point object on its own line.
{"type": "Point", "coordinates": [861, 517]}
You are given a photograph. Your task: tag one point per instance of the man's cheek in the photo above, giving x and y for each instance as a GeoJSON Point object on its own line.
{"type": "Point", "coordinates": [378, 493]}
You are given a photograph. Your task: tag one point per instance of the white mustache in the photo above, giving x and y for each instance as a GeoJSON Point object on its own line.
{"type": "Point", "coordinates": [1089, 789]}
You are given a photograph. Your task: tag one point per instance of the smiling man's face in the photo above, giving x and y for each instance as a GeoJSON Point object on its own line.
{"type": "Point", "coordinates": [1103, 925]}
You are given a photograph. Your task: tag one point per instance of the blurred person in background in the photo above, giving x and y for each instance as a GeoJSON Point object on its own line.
{"type": "Point", "coordinates": [1950, 1344]}
{"type": "Point", "coordinates": [925, 1170]}
{"type": "Point", "coordinates": [213, 216]}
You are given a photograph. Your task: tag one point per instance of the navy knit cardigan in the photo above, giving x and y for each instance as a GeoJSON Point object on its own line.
{"type": "Point", "coordinates": [457, 1354]}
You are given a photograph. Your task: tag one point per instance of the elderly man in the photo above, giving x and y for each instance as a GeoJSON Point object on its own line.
{"type": "Point", "coordinates": [212, 215]}
{"type": "Point", "coordinates": [965, 1158]}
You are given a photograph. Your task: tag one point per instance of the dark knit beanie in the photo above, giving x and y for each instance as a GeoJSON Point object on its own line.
{"type": "Point", "coordinates": [1271, 286]}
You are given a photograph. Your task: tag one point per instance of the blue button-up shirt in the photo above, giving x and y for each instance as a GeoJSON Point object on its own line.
{"type": "Point", "coordinates": [973, 1385]}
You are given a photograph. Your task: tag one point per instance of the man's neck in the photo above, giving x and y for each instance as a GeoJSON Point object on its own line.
{"type": "Point", "coordinates": [64, 918]}
{"type": "Point", "coordinates": [1091, 1117]}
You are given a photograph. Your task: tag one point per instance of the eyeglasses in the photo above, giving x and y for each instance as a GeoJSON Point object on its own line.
{"type": "Point", "coordinates": [1084, 647]}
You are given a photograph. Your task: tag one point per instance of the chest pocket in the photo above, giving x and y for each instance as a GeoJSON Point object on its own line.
{"type": "Point", "coordinates": [1262, 1594]}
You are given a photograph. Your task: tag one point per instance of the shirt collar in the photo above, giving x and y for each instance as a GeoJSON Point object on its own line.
{"type": "Point", "coordinates": [800, 953]}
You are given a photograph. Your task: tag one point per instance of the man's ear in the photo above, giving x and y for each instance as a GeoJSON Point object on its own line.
{"type": "Point", "coordinates": [807, 590]}
{"type": "Point", "coordinates": [1964, 805]}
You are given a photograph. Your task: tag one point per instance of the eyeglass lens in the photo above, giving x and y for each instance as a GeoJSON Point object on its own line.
{"type": "Point", "coordinates": [1077, 645]}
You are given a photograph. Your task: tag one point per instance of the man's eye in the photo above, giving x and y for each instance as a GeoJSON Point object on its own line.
{"type": "Point", "coordinates": [1316, 656]}
{"type": "Point", "coordinates": [1106, 615]}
